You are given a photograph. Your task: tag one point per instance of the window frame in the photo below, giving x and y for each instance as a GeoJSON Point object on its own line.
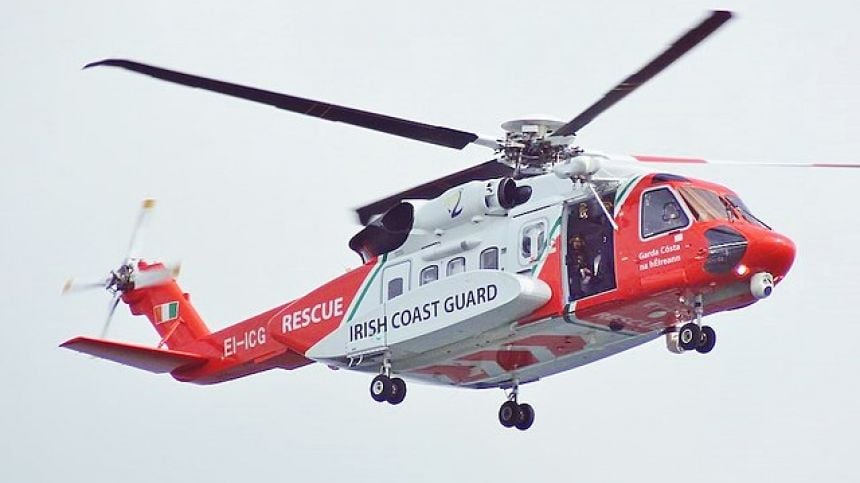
{"type": "Point", "coordinates": [400, 269]}
{"type": "Point", "coordinates": [529, 224]}
{"type": "Point", "coordinates": [678, 200]}
{"type": "Point", "coordinates": [702, 208]}
{"type": "Point", "coordinates": [498, 265]}
{"type": "Point", "coordinates": [738, 204]}
{"type": "Point", "coordinates": [448, 266]}
{"type": "Point", "coordinates": [427, 269]}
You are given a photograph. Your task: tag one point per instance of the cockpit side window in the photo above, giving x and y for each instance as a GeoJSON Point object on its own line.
{"type": "Point", "coordinates": [661, 213]}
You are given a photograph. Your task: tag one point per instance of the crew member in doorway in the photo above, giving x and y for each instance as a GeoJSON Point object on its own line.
{"type": "Point", "coordinates": [583, 211]}
{"type": "Point", "coordinates": [580, 265]}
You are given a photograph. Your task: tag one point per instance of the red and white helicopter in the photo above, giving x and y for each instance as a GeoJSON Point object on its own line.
{"type": "Point", "coordinates": [541, 260]}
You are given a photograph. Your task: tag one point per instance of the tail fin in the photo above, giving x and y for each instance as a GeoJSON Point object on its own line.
{"type": "Point", "coordinates": [168, 309]}
{"type": "Point", "coordinates": [158, 361]}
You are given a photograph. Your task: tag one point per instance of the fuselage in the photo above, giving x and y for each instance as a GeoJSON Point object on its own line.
{"type": "Point", "coordinates": [478, 296]}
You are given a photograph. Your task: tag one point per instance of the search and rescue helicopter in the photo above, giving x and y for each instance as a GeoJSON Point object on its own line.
{"type": "Point", "coordinates": [544, 259]}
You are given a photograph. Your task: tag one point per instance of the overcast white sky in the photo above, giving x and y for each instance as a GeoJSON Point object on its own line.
{"type": "Point", "coordinates": [256, 201]}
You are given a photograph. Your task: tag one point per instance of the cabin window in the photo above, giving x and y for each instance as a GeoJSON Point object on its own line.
{"type": "Point", "coordinates": [661, 213]}
{"type": "Point", "coordinates": [395, 280]}
{"type": "Point", "coordinates": [456, 265]}
{"type": "Point", "coordinates": [490, 259]}
{"type": "Point", "coordinates": [429, 274]}
{"type": "Point", "coordinates": [395, 287]}
{"type": "Point", "coordinates": [532, 242]}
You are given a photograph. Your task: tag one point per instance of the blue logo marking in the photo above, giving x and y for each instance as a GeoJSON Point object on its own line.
{"type": "Point", "coordinates": [456, 209]}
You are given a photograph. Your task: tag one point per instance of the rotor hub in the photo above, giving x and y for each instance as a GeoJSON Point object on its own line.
{"type": "Point", "coordinates": [531, 148]}
{"type": "Point", "coordinates": [532, 126]}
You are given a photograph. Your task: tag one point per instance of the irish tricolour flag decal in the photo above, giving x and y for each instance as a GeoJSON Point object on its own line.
{"type": "Point", "coordinates": [166, 312]}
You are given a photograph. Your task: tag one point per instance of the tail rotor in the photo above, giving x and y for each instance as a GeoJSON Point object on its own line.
{"type": "Point", "coordinates": [129, 275]}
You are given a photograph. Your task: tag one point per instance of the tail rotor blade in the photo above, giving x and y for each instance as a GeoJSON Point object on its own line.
{"type": "Point", "coordinates": [73, 285]}
{"type": "Point", "coordinates": [111, 310]}
{"type": "Point", "coordinates": [157, 276]}
{"type": "Point", "coordinates": [135, 243]}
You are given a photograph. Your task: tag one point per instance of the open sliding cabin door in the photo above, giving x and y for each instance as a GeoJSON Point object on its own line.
{"type": "Point", "coordinates": [589, 251]}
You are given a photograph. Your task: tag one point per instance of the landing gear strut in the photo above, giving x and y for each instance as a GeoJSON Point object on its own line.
{"type": "Point", "coordinates": [693, 335]}
{"type": "Point", "coordinates": [386, 388]}
{"type": "Point", "coordinates": [513, 414]}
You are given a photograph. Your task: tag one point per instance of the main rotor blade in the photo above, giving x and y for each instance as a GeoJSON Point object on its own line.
{"type": "Point", "coordinates": [643, 75]}
{"type": "Point", "coordinates": [680, 160]}
{"type": "Point", "coordinates": [427, 133]}
{"type": "Point", "coordinates": [488, 170]}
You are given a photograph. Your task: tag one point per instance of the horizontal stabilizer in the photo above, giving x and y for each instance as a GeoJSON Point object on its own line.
{"type": "Point", "coordinates": [149, 359]}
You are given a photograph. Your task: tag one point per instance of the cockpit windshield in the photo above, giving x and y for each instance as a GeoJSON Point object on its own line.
{"type": "Point", "coordinates": [705, 205]}
{"type": "Point", "coordinates": [745, 212]}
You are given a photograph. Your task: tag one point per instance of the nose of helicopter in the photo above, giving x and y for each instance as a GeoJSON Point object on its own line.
{"type": "Point", "coordinates": [774, 253]}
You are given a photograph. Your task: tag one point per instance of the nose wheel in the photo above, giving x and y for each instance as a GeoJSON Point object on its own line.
{"type": "Point", "coordinates": [688, 336]}
{"type": "Point", "coordinates": [515, 415]}
{"type": "Point", "coordinates": [693, 335]}
{"type": "Point", "coordinates": [707, 340]}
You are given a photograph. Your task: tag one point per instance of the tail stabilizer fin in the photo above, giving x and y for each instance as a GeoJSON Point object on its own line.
{"type": "Point", "coordinates": [150, 359]}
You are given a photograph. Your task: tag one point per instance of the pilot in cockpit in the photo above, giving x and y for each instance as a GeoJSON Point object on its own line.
{"type": "Point", "coordinates": [671, 211]}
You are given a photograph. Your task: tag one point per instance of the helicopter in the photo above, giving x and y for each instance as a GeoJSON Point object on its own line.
{"type": "Point", "coordinates": [545, 258]}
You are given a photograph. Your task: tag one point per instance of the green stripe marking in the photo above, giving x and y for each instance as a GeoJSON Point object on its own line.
{"type": "Point", "coordinates": [367, 286]}
{"type": "Point", "coordinates": [620, 194]}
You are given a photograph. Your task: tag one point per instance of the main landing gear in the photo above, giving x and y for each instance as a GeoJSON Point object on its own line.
{"type": "Point", "coordinates": [386, 388]}
{"type": "Point", "coordinates": [512, 414]}
{"type": "Point", "coordinates": [693, 335]}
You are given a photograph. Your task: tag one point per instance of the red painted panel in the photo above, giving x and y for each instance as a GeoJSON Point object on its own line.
{"type": "Point", "coordinates": [559, 345]}
{"type": "Point", "coordinates": [458, 374]}
{"type": "Point", "coordinates": [509, 360]}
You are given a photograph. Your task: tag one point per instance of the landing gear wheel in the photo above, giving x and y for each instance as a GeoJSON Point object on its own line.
{"type": "Point", "coordinates": [688, 336]}
{"type": "Point", "coordinates": [509, 414]}
{"type": "Point", "coordinates": [398, 391]}
{"type": "Point", "coordinates": [380, 388]}
{"type": "Point", "coordinates": [707, 340]}
{"type": "Point", "coordinates": [527, 417]}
